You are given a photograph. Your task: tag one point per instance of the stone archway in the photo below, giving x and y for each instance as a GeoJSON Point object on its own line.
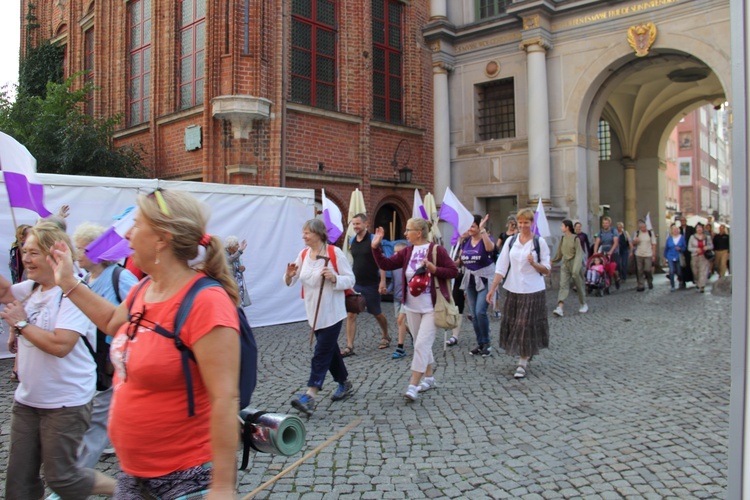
{"type": "Point", "coordinates": [641, 99]}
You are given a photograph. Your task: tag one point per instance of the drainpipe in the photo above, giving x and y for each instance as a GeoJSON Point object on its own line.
{"type": "Point", "coordinates": [284, 88]}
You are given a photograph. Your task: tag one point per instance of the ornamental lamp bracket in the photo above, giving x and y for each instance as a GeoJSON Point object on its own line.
{"type": "Point", "coordinates": [241, 111]}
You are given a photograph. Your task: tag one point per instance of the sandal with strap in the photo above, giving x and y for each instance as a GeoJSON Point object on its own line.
{"type": "Point", "coordinates": [385, 343]}
{"type": "Point", "coordinates": [451, 341]}
{"type": "Point", "coordinates": [347, 351]}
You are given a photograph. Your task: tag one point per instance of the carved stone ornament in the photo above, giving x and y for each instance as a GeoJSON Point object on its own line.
{"type": "Point", "coordinates": [531, 22]}
{"type": "Point", "coordinates": [492, 69]}
{"type": "Point", "coordinates": [641, 38]}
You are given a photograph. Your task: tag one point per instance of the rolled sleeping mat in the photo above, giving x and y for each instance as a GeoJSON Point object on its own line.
{"type": "Point", "coordinates": [274, 433]}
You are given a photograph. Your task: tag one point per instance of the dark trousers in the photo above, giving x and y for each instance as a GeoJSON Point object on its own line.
{"type": "Point", "coordinates": [327, 357]}
{"type": "Point", "coordinates": [622, 263]}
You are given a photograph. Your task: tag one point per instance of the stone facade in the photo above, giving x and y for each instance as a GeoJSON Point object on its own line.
{"type": "Point", "coordinates": [590, 73]}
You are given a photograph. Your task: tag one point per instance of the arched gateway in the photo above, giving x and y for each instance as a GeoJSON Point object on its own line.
{"type": "Point", "coordinates": [527, 87]}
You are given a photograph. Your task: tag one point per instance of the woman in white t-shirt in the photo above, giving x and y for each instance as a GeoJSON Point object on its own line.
{"type": "Point", "coordinates": [524, 329]}
{"type": "Point", "coordinates": [52, 404]}
{"type": "Point", "coordinates": [420, 308]}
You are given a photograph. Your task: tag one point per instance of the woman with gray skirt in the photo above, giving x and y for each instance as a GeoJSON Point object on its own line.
{"type": "Point", "coordinates": [524, 329]}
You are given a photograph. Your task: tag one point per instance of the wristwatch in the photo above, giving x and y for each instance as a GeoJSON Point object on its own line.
{"type": "Point", "coordinates": [20, 325]}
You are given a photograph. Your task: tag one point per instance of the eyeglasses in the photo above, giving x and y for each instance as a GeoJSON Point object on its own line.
{"type": "Point", "coordinates": [134, 325]}
{"type": "Point", "coordinates": [160, 201]}
{"type": "Point", "coordinates": [412, 229]}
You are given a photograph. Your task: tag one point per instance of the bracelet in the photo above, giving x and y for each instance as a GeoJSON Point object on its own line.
{"type": "Point", "coordinates": [66, 294]}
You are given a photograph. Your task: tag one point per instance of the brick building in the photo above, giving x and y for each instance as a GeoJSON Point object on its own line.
{"type": "Point", "coordinates": [307, 93]}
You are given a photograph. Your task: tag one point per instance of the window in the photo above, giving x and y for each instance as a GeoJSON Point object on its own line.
{"type": "Point", "coordinates": [139, 28]}
{"type": "Point", "coordinates": [705, 198]}
{"type": "Point", "coordinates": [704, 169]}
{"type": "Point", "coordinates": [314, 53]}
{"type": "Point", "coordinates": [88, 67]}
{"type": "Point", "coordinates": [496, 111]}
{"type": "Point", "coordinates": [490, 8]}
{"type": "Point", "coordinates": [387, 61]}
{"type": "Point", "coordinates": [604, 134]}
{"type": "Point", "coordinates": [192, 52]}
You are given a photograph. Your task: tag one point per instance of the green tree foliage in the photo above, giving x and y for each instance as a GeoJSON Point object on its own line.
{"type": "Point", "coordinates": [62, 138]}
{"type": "Point", "coordinates": [42, 64]}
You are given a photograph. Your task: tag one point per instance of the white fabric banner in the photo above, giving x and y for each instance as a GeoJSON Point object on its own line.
{"type": "Point", "coordinates": [270, 219]}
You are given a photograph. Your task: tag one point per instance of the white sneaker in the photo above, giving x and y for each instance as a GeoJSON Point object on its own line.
{"type": "Point", "coordinates": [412, 393]}
{"type": "Point", "coordinates": [426, 384]}
{"type": "Point", "coordinates": [558, 311]}
{"type": "Point", "coordinates": [584, 308]}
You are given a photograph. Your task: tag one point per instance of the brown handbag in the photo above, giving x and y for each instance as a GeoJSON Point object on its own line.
{"type": "Point", "coordinates": [355, 302]}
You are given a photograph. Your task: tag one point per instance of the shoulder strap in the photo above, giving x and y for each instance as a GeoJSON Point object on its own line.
{"type": "Point", "coordinates": [136, 293]}
{"type": "Point", "coordinates": [434, 261]}
{"type": "Point", "coordinates": [185, 353]}
{"type": "Point", "coordinates": [332, 256]}
{"type": "Point", "coordinates": [512, 241]}
{"type": "Point", "coordinates": [116, 281]}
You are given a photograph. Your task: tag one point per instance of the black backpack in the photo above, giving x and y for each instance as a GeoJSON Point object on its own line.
{"type": "Point", "coordinates": [104, 368]}
{"type": "Point", "coordinates": [248, 347]}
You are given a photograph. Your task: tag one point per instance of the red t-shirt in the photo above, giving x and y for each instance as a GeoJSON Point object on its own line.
{"type": "Point", "coordinates": [148, 420]}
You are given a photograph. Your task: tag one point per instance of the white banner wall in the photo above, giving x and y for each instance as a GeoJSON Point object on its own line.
{"type": "Point", "coordinates": [270, 219]}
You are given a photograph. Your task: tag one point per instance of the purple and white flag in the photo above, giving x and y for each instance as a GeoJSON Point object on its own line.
{"type": "Point", "coordinates": [112, 245]}
{"type": "Point", "coordinates": [25, 190]}
{"type": "Point", "coordinates": [649, 226]}
{"type": "Point", "coordinates": [540, 227]}
{"type": "Point", "coordinates": [454, 213]}
{"type": "Point", "coordinates": [418, 210]}
{"type": "Point", "coordinates": [332, 217]}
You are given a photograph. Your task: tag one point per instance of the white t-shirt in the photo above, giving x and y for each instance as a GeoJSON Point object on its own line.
{"type": "Point", "coordinates": [47, 381]}
{"type": "Point", "coordinates": [522, 277]}
{"type": "Point", "coordinates": [423, 302]}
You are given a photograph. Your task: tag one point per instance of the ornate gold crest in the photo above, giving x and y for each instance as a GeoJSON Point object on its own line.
{"type": "Point", "coordinates": [641, 37]}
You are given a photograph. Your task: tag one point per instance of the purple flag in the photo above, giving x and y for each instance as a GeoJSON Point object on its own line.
{"type": "Point", "coordinates": [19, 173]}
{"type": "Point", "coordinates": [453, 212]}
{"type": "Point", "coordinates": [332, 218]}
{"type": "Point", "coordinates": [112, 245]}
{"type": "Point", "coordinates": [418, 209]}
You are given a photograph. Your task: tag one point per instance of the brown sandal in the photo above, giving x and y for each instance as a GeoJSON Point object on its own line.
{"type": "Point", "coordinates": [385, 343]}
{"type": "Point", "coordinates": [348, 351]}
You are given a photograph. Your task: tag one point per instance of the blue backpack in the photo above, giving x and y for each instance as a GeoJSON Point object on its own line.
{"type": "Point", "coordinates": [248, 347]}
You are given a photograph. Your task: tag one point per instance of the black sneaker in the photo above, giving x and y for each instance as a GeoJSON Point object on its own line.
{"type": "Point", "coordinates": [487, 351]}
{"type": "Point", "coordinates": [343, 391]}
{"type": "Point", "coordinates": [477, 350]}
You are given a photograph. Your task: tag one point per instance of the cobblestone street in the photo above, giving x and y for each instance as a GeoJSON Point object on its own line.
{"type": "Point", "coordinates": [631, 400]}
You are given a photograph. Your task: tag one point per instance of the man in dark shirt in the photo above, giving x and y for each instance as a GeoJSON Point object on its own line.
{"type": "Point", "coordinates": [721, 247]}
{"type": "Point", "coordinates": [370, 282]}
{"type": "Point", "coordinates": [584, 239]}
{"type": "Point", "coordinates": [687, 271]}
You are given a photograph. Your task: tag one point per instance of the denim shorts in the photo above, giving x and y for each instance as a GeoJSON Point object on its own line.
{"type": "Point", "coordinates": [372, 297]}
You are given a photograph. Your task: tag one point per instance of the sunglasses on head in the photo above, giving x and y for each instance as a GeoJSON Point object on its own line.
{"type": "Point", "coordinates": [159, 197]}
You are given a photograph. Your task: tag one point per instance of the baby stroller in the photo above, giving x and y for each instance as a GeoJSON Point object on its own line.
{"type": "Point", "coordinates": [600, 285]}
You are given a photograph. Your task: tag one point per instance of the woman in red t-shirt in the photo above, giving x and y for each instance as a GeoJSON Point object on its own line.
{"type": "Point", "coordinates": [161, 449]}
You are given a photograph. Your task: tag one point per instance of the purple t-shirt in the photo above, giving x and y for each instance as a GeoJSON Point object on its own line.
{"type": "Point", "coordinates": [475, 257]}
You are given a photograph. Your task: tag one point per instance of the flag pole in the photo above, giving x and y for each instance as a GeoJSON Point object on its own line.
{"type": "Point", "coordinates": [13, 214]}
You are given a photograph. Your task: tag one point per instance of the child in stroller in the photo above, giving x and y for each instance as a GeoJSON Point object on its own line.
{"type": "Point", "coordinates": [596, 277]}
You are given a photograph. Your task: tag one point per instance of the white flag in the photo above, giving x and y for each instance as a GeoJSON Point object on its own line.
{"type": "Point", "coordinates": [540, 225]}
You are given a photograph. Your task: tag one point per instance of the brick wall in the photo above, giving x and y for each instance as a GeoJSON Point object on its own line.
{"type": "Point", "coordinates": [290, 141]}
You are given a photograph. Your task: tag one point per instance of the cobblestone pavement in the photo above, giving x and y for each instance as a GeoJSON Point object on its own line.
{"type": "Point", "coordinates": [631, 400]}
